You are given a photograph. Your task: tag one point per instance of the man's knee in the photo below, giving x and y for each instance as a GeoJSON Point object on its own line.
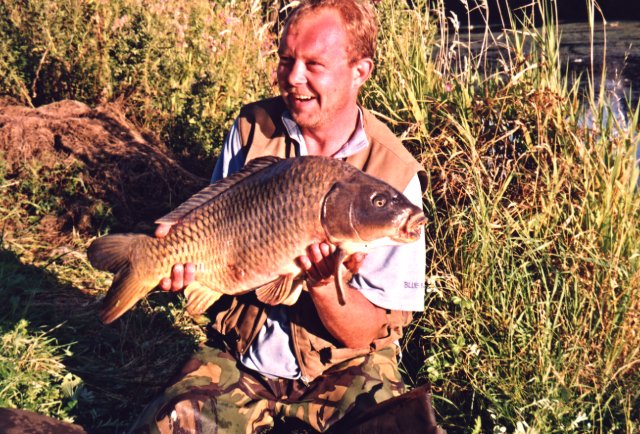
{"type": "Point", "coordinates": [186, 414]}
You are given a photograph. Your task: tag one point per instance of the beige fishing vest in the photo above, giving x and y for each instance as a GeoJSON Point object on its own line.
{"type": "Point", "coordinates": [240, 319]}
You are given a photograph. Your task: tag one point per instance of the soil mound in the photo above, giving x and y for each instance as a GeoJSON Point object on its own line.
{"type": "Point", "coordinates": [115, 166]}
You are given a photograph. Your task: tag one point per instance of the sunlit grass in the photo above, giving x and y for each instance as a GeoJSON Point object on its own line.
{"type": "Point", "coordinates": [33, 374]}
{"type": "Point", "coordinates": [533, 273]}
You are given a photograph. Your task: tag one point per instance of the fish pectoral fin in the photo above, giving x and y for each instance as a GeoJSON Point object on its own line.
{"type": "Point", "coordinates": [341, 255]}
{"type": "Point", "coordinates": [277, 291]}
{"type": "Point", "coordinates": [295, 293]}
{"type": "Point", "coordinates": [200, 298]}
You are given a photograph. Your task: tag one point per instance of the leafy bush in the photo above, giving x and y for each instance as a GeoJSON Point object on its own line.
{"type": "Point", "coordinates": [182, 69]}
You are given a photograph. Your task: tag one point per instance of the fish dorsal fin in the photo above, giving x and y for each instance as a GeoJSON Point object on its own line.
{"type": "Point", "coordinates": [211, 191]}
{"type": "Point", "coordinates": [277, 291]}
{"type": "Point", "coordinates": [200, 298]}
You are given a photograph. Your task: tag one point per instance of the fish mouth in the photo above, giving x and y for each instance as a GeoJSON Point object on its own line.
{"type": "Point", "coordinates": [412, 228]}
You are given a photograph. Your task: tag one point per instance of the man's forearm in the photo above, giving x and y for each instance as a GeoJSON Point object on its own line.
{"type": "Point", "coordinates": [355, 324]}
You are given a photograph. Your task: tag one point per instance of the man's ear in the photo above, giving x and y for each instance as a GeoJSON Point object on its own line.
{"type": "Point", "coordinates": [362, 70]}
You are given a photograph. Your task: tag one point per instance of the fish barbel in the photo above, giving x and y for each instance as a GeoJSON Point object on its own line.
{"type": "Point", "coordinates": [245, 232]}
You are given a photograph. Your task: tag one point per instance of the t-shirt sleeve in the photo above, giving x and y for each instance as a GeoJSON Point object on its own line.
{"type": "Point", "coordinates": [232, 156]}
{"type": "Point", "coordinates": [392, 277]}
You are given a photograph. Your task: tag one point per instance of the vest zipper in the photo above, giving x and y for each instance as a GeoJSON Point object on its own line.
{"type": "Point", "coordinates": [296, 350]}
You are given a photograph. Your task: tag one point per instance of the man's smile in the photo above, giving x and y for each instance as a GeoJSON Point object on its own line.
{"type": "Point", "coordinates": [300, 102]}
{"type": "Point", "coordinates": [300, 98]}
{"type": "Point", "coordinates": [303, 97]}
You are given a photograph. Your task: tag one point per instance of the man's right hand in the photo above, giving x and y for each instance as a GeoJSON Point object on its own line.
{"type": "Point", "coordinates": [181, 274]}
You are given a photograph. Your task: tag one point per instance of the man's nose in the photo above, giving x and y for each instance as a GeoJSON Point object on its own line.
{"type": "Point", "coordinates": [297, 73]}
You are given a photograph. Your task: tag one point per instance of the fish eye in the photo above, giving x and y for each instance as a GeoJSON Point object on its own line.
{"type": "Point", "coordinates": [379, 201]}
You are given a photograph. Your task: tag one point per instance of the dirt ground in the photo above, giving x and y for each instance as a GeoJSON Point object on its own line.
{"type": "Point", "coordinates": [116, 167]}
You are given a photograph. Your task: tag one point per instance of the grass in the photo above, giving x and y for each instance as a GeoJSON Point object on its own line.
{"type": "Point", "coordinates": [532, 310]}
{"type": "Point", "coordinates": [31, 363]}
{"type": "Point", "coordinates": [533, 301]}
{"type": "Point", "coordinates": [56, 357]}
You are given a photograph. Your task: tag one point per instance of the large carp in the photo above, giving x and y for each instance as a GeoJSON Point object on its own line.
{"type": "Point", "coordinates": [244, 232]}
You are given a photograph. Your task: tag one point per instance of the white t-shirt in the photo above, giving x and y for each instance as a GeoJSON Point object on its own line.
{"type": "Point", "coordinates": [391, 277]}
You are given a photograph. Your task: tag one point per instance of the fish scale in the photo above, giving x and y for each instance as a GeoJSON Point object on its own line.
{"type": "Point", "coordinates": [217, 256]}
{"type": "Point", "coordinates": [246, 231]}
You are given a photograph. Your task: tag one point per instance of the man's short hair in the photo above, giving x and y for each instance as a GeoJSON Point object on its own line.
{"type": "Point", "coordinates": [358, 16]}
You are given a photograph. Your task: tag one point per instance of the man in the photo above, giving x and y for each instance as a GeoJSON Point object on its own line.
{"type": "Point", "coordinates": [317, 360]}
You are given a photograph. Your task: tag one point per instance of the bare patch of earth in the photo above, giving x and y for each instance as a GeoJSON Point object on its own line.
{"type": "Point", "coordinates": [117, 169]}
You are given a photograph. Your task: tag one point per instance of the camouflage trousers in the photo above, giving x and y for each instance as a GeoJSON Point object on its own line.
{"type": "Point", "coordinates": [217, 394]}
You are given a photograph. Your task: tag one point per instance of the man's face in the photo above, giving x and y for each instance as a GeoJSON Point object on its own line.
{"type": "Point", "coordinates": [317, 79]}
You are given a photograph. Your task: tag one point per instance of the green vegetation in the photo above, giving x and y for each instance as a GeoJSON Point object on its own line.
{"type": "Point", "coordinates": [533, 289]}
{"type": "Point", "coordinates": [181, 68]}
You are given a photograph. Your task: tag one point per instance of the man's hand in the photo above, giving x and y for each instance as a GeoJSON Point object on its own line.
{"type": "Point", "coordinates": [181, 274]}
{"type": "Point", "coordinates": [320, 263]}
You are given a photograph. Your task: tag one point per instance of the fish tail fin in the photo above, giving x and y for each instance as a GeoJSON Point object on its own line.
{"type": "Point", "coordinates": [113, 253]}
